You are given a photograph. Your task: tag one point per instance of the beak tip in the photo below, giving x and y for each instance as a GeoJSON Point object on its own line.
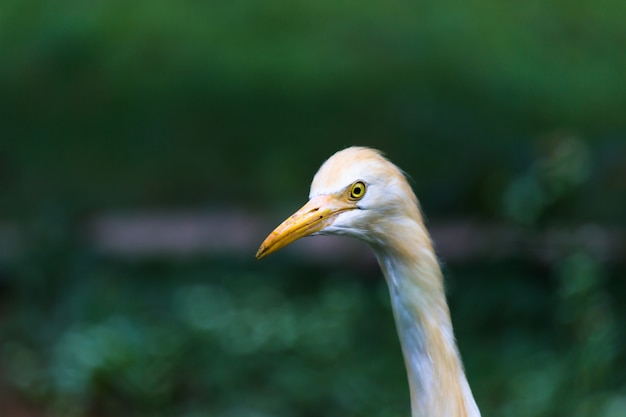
{"type": "Point", "coordinates": [260, 254]}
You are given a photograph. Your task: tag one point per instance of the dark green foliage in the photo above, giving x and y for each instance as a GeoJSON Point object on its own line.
{"type": "Point", "coordinates": [90, 335]}
{"type": "Point", "coordinates": [162, 103]}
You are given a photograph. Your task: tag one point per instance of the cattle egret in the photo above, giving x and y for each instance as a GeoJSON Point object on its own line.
{"type": "Point", "coordinates": [357, 192]}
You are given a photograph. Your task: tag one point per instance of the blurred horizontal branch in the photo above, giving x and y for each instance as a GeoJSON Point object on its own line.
{"type": "Point", "coordinates": [238, 233]}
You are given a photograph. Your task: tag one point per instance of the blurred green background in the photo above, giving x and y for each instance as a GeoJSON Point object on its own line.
{"type": "Point", "coordinates": [509, 118]}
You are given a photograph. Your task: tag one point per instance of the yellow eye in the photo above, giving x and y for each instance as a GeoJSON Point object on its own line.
{"type": "Point", "coordinates": [357, 191]}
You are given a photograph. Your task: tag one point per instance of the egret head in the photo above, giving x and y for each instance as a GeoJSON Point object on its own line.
{"type": "Point", "coordinates": [356, 192]}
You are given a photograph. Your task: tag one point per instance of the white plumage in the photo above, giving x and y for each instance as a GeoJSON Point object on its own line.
{"type": "Point", "coordinates": [359, 193]}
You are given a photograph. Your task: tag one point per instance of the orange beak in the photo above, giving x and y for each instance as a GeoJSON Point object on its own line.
{"type": "Point", "coordinates": [318, 213]}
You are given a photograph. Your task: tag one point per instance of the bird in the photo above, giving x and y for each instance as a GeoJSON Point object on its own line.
{"type": "Point", "coordinates": [358, 192]}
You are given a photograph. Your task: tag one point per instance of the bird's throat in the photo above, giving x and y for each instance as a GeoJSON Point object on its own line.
{"type": "Point", "coordinates": [436, 378]}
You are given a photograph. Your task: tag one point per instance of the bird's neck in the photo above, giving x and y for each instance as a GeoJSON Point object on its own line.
{"type": "Point", "coordinates": [437, 381]}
